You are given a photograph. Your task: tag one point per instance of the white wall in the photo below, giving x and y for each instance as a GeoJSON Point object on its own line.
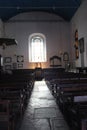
{"type": "Point", "coordinates": [79, 21]}
{"type": "Point", "coordinates": [56, 30]}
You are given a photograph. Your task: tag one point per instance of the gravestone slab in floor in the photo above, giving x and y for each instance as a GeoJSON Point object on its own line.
{"type": "Point", "coordinates": [42, 124]}
{"type": "Point", "coordinates": [36, 124]}
{"type": "Point", "coordinates": [45, 112]}
{"type": "Point", "coordinates": [42, 112]}
{"type": "Point", "coordinates": [59, 124]}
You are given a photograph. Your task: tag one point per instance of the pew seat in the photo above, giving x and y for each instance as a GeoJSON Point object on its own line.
{"type": "Point", "coordinates": [5, 114]}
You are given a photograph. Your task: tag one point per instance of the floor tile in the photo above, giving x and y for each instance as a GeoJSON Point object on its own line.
{"type": "Point", "coordinates": [42, 112]}
{"type": "Point", "coordinates": [45, 113]}
{"type": "Point", "coordinates": [59, 124]}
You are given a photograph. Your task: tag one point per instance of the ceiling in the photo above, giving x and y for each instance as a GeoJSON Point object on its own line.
{"type": "Point", "coordinates": [64, 8]}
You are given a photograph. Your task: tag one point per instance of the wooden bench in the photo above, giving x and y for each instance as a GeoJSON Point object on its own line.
{"type": "Point", "coordinates": [15, 92]}
{"type": "Point", "coordinates": [73, 103]}
{"type": "Point", "coordinates": [16, 89]}
{"type": "Point", "coordinates": [6, 115]}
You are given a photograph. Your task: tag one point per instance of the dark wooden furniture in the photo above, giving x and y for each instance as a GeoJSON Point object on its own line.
{"type": "Point", "coordinates": [15, 89]}
{"type": "Point", "coordinates": [38, 73]}
{"type": "Point", "coordinates": [70, 91]}
{"type": "Point", "coordinates": [8, 41]}
{"type": "Point", "coordinates": [6, 115]}
{"type": "Point", "coordinates": [55, 61]}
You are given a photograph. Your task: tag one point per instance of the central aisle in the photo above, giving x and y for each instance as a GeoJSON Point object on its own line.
{"type": "Point", "coordinates": [42, 112]}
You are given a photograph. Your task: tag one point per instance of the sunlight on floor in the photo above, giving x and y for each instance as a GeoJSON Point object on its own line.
{"type": "Point", "coordinates": [41, 85]}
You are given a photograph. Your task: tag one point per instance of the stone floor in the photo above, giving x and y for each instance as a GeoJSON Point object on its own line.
{"type": "Point", "coordinates": [42, 112]}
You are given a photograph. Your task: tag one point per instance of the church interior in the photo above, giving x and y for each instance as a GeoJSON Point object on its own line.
{"type": "Point", "coordinates": [43, 65]}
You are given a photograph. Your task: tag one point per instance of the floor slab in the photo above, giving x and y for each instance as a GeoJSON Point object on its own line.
{"type": "Point", "coordinates": [45, 112]}
{"type": "Point", "coordinates": [42, 112]}
{"type": "Point", "coordinates": [59, 124]}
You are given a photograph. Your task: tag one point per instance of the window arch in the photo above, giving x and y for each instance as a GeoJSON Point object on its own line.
{"type": "Point", "coordinates": [37, 48]}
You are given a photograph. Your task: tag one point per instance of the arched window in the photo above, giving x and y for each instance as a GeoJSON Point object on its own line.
{"type": "Point", "coordinates": [37, 48]}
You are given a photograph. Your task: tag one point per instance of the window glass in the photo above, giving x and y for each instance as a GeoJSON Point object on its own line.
{"type": "Point", "coordinates": [37, 48]}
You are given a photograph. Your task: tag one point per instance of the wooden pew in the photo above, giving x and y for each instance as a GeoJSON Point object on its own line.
{"type": "Point", "coordinates": [15, 92]}
{"type": "Point", "coordinates": [73, 105]}
{"type": "Point", "coordinates": [16, 89]}
{"type": "Point", "coordinates": [66, 88]}
{"type": "Point", "coordinates": [5, 114]}
{"type": "Point", "coordinates": [55, 84]}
